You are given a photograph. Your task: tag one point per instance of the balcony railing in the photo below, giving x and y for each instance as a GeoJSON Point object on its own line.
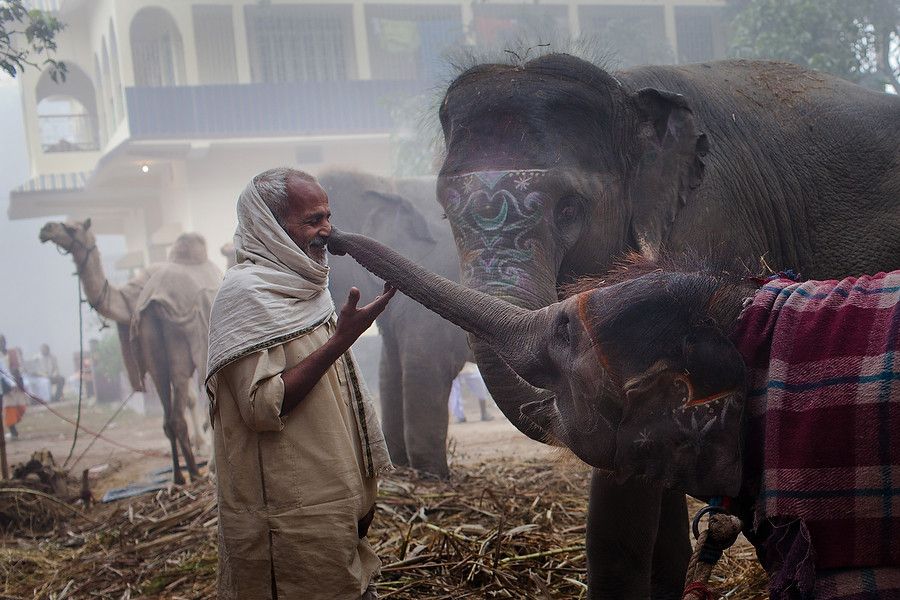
{"type": "Point", "coordinates": [68, 133]}
{"type": "Point", "coordinates": [313, 108]}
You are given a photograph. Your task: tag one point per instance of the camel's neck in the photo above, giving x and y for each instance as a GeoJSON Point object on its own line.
{"type": "Point", "coordinates": [101, 295]}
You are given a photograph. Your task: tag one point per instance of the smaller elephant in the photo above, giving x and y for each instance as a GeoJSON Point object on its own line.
{"type": "Point", "coordinates": [701, 381]}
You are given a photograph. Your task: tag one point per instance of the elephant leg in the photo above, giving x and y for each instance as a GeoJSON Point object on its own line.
{"type": "Point", "coordinates": [181, 369]}
{"type": "Point", "coordinates": [390, 387]}
{"type": "Point", "coordinates": [153, 356]}
{"type": "Point", "coordinates": [672, 551]}
{"type": "Point", "coordinates": [425, 394]}
{"type": "Point", "coordinates": [621, 533]}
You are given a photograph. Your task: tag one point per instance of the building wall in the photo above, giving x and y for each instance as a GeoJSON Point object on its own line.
{"type": "Point", "coordinates": [207, 44]}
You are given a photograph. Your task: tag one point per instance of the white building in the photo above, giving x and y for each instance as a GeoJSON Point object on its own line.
{"type": "Point", "coordinates": [170, 106]}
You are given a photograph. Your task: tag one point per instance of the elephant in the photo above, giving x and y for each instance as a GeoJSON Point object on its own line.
{"type": "Point", "coordinates": [421, 353]}
{"type": "Point", "coordinates": [555, 167]}
{"type": "Point", "coordinates": [651, 369]}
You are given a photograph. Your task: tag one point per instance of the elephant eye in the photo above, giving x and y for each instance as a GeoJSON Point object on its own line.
{"type": "Point", "coordinates": [568, 212]}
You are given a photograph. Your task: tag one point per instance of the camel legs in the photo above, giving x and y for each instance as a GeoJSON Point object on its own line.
{"type": "Point", "coordinates": [167, 357]}
{"type": "Point", "coordinates": [181, 370]}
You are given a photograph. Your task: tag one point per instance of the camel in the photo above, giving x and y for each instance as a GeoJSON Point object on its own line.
{"type": "Point", "coordinates": [162, 316]}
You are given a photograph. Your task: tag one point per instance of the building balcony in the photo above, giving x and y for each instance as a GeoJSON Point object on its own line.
{"type": "Point", "coordinates": [322, 108]}
{"type": "Point", "coordinates": [68, 133]}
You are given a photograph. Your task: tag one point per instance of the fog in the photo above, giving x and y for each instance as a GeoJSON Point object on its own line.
{"type": "Point", "coordinates": [39, 303]}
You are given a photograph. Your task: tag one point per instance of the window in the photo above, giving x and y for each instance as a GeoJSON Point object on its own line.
{"type": "Point", "coordinates": [156, 49]}
{"type": "Point", "coordinates": [292, 43]}
{"type": "Point", "coordinates": [409, 41]}
{"type": "Point", "coordinates": [510, 24]}
{"type": "Point", "coordinates": [67, 112]}
{"type": "Point", "coordinates": [700, 33]}
{"type": "Point", "coordinates": [634, 35]}
{"type": "Point", "coordinates": [214, 36]}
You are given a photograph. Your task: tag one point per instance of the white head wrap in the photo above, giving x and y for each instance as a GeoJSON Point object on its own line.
{"type": "Point", "coordinates": [274, 293]}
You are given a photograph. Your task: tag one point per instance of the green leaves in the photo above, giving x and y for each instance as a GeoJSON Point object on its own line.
{"type": "Point", "coordinates": [859, 40]}
{"type": "Point", "coordinates": [26, 36]}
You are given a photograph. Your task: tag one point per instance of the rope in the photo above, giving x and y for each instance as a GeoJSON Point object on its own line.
{"type": "Point", "coordinates": [102, 429]}
{"type": "Point", "coordinates": [80, 369]}
{"type": "Point", "coordinates": [149, 453]}
{"type": "Point", "coordinates": [720, 534]}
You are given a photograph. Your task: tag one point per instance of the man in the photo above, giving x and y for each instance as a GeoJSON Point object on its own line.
{"type": "Point", "coordinates": [47, 366]}
{"type": "Point", "coordinates": [469, 381]}
{"type": "Point", "coordinates": [13, 404]}
{"type": "Point", "coordinates": [297, 443]}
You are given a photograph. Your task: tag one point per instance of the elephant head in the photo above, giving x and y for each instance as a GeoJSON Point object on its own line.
{"type": "Point", "coordinates": [553, 170]}
{"type": "Point", "coordinates": [645, 381]}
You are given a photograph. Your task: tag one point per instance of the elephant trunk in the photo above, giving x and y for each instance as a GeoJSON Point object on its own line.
{"type": "Point", "coordinates": [512, 331]}
{"type": "Point", "coordinates": [491, 319]}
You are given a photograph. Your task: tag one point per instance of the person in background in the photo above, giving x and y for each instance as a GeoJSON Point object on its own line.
{"type": "Point", "coordinates": [469, 381]}
{"type": "Point", "coordinates": [297, 442]}
{"type": "Point", "coordinates": [11, 382]}
{"type": "Point", "coordinates": [47, 366]}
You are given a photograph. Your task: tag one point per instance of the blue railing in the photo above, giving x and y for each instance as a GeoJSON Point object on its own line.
{"type": "Point", "coordinates": [259, 109]}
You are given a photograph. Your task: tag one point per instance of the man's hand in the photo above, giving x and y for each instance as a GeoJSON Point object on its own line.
{"type": "Point", "coordinates": [352, 321]}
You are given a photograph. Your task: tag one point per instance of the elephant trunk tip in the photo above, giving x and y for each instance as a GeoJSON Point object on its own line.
{"type": "Point", "coordinates": [336, 241]}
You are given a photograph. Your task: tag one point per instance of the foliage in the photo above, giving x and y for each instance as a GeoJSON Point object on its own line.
{"type": "Point", "coordinates": [25, 35]}
{"type": "Point", "coordinates": [858, 40]}
{"type": "Point", "coordinates": [107, 356]}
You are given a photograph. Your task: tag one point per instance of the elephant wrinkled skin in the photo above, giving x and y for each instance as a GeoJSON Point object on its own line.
{"type": "Point", "coordinates": [555, 167]}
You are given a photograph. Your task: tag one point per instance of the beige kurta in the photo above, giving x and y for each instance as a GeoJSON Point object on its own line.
{"type": "Point", "coordinates": [291, 490]}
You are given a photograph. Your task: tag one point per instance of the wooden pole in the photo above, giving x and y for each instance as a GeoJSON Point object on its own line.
{"type": "Point", "coordinates": [3, 466]}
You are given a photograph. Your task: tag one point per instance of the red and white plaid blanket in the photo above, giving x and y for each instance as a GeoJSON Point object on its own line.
{"type": "Point", "coordinates": [823, 419]}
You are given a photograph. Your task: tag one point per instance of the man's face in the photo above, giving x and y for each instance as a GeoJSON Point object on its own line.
{"type": "Point", "coordinates": [307, 221]}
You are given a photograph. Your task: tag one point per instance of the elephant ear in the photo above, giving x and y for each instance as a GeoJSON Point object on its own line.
{"type": "Point", "coordinates": [667, 165]}
{"type": "Point", "coordinates": [393, 218]}
{"type": "Point", "coordinates": [681, 420]}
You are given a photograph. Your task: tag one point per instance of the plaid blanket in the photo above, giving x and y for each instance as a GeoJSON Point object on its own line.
{"type": "Point", "coordinates": [823, 421]}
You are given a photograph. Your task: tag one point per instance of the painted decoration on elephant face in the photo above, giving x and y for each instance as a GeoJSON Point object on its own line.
{"type": "Point", "coordinates": [500, 212]}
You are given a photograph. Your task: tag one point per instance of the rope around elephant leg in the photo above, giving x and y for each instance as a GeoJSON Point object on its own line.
{"type": "Point", "coordinates": [721, 533]}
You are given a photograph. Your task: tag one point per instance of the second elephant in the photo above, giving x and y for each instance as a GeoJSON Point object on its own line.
{"type": "Point", "coordinates": [421, 353]}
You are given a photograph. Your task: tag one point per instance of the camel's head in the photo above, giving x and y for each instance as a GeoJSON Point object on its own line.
{"type": "Point", "coordinates": [228, 252]}
{"type": "Point", "coordinates": [69, 235]}
{"type": "Point", "coordinates": [189, 248]}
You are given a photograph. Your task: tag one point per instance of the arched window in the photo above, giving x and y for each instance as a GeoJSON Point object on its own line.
{"type": "Point", "coordinates": [156, 49]}
{"type": "Point", "coordinates": [67, 112]}
{"type": "Point", "coordinates": [116, 76]}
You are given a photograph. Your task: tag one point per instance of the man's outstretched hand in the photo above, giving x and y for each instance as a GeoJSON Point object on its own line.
{"type": "Point", "coordinates": [353, 321]}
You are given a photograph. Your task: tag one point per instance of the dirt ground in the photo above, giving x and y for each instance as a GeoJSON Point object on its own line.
{"type": "Point", "coordinates": [468, 443]}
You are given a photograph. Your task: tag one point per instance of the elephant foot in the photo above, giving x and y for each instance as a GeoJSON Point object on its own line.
{"type": "Point", "coordinates": [432, 472]}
